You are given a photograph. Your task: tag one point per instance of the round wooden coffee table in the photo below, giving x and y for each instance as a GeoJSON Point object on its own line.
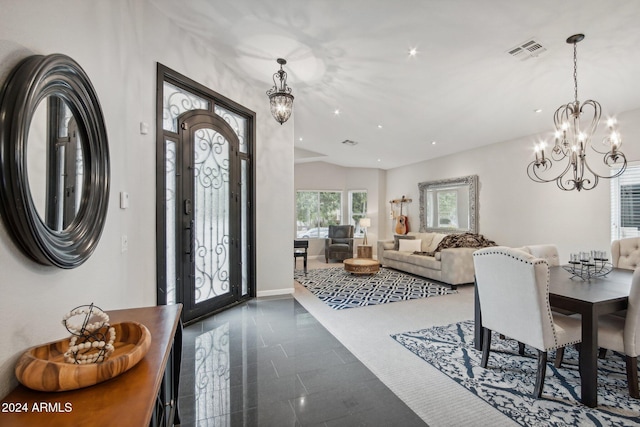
{"type": "Point", "coordinates": [361, 265]}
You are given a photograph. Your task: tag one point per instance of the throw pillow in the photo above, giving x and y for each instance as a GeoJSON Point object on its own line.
{"type": "Point", "coordinates": [407, 245]}
{"type": "Point", "coordinates": [398, 237]}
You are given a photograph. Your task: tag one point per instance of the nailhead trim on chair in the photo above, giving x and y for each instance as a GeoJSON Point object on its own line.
{"type": "Point", "coordinates": [535, 261]}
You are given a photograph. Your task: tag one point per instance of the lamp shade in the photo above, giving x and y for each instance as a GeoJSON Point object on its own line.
{"type": "Point", "coordinates": [365, 222]}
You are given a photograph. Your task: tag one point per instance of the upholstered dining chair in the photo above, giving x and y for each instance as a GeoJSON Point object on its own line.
{"type": "Point", "coordinates": [339, 243]}
{"type": "Point", "coordinates": [547, 252]}
{"type": "Point", "coordinates": [513, 288]}
{"type": "Point", "coordinates": [622, 334]}
{"type": "Point", "coordinates": [625, 253]}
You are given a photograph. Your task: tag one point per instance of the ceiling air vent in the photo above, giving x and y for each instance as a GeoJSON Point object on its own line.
{"type": "Point", "coordinates": [349, 142]}
{"type": "Point", "coordinates": [526, 50]}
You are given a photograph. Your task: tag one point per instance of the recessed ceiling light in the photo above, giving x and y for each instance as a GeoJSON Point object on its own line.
{"type": "Point", "coordinates": [379, 126]}
{"type": "Point", "coordinates": [379, 160]}
{"type": "Point", "coordinates": [433, 142]}
{"type": "Point", "coordinates": [538, 110]}
{"type": "Point", "coordinates": [413, 52]}
{"type": "Point", "coordinates": [337, 112]}
{"type": "Point", "coordinates": [300, 139]}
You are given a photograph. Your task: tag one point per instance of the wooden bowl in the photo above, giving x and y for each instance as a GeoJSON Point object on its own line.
{"type": "Point", "coordinates": [44, 368]}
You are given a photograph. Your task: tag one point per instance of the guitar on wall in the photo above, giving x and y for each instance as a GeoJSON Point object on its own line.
{"type": "Point", "coordinates": [402, 222]}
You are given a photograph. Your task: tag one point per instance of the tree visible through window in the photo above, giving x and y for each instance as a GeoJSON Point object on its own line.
{"type": "Point", "coordinates": [316, 211]}
{"type": "Point", "coordinates": [448, 209]}
{"type": "Point", "coordinates": [357, 210]}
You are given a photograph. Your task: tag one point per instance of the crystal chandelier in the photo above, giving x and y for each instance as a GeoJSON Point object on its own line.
{"type": "Point", "coordinates": [571, 142]}
{"type": "Point", "coordinates": [280, 96]}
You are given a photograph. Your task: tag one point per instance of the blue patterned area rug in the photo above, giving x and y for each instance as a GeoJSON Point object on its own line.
{"type": "Point", "coordinates": [508, 381]}
{"type": "Point", "coordinates": [340, 289]}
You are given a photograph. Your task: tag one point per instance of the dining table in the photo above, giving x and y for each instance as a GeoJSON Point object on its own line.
{"type": "Point", "coordinates": [589, 298]}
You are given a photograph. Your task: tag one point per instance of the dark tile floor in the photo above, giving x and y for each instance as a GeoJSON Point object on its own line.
{"type": "Point", "coordinates": [268, 362]}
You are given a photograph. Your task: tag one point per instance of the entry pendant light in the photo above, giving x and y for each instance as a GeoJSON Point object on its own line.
{"type": "Point", "coordinates": [571, 142]}
{"type": "Point", "coordinates": [280, 96]}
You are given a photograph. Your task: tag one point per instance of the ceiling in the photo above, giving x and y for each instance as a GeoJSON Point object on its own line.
{"type": "Point", "coordinates": [462, 89]}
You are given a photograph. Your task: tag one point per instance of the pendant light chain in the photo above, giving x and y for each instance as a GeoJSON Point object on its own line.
{"type": "Point", "coordinates": [575, 70]}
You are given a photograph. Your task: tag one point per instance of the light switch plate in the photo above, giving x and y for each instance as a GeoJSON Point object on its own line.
{"type": "Point", "coordinates": [124, 200]}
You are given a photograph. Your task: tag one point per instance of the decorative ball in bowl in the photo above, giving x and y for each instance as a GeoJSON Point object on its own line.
{"type": "Point", "coordinates": [44, 367]}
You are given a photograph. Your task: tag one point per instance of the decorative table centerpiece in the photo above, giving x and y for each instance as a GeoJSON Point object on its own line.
{"type": "Point", "coordinates": [587, 265]}
{"type": "Point", "coordinates": [95, 352]}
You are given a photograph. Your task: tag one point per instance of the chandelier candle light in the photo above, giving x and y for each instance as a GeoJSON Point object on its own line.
{"type": "Point", "coordinates": [280, 97]}
{"type": "Point", "coordinates": [571, 142]}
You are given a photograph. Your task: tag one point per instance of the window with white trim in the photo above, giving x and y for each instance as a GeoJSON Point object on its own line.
{"type": "Point", "coordinates": [357, 210]}
{"type": "Point", "coordinates": [316, 211]}
{"type": "Point", "coordinates": [625, 204]}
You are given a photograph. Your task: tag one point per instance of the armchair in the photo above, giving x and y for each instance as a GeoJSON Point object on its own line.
{"type": "Point", "coordinates": [625, 253]}
{"type": "Point", "coordinates": [339, 243]}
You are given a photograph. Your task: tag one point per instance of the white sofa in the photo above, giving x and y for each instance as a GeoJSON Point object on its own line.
{"type": "Point", "coordinates": [453, 266]}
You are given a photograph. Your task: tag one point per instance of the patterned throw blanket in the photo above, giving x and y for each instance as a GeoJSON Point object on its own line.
{"type": "Point", "coordinates": [465, 240]}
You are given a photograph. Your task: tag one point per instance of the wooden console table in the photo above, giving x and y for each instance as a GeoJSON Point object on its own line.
{"type": "Point", "coordinates": [145, 395]}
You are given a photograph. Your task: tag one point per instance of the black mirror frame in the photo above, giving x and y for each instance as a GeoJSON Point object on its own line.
{"type": "Point", "coordinates": [33, 80]}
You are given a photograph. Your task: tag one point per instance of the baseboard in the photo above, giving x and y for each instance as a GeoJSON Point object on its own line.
{"type": "Point", "coordinates": [284, 291]}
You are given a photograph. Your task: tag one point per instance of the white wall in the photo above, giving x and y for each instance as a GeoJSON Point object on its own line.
{"type": "Point", "coordinates": [513, 210]}
{"type": "Point", "coordinates": [325, 176]}
{"type": "Point", "coordinates": [118, 44]}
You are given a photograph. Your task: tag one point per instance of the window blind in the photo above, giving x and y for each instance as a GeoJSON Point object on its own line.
{"type": "Point", "coordinates": [625, 204]}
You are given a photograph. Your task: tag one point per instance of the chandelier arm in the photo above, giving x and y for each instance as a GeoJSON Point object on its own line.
{"type": "Point", "coordinates": [609, 160]}
{"type": "Point", "coordinates": [589, 185]}
{"type": "Point", "coordinates": [563, 188]}
{"type": "Point", "coordinates": [276, 76]}
{"type": "Point", "coordinates": [561, 115]}
{"type": "Point", "coordinates": [533, 174]}
{"type": "Point", "coordinates": [560, 154]}
{"type": "Point", "coordinates": [597, 114]}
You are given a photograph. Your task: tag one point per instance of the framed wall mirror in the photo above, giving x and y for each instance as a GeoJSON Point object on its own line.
{"type": "Point", "coordinates": [449, 205]}
{"type": "Point", "coordinates": [54, 156]}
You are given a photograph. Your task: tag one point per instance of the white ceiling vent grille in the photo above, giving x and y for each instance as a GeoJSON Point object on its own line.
{"type": "Point", "coordinates": [349, 142]}
{"type": "Point", "coordinates": [526, 50]}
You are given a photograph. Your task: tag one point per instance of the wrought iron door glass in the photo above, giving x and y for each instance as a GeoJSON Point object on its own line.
{"type": "Point", "coordinates": [237, 123]}
{"type": "Point", "coordinates": [170, 222]}
{"type": "Point", "coordinates": [211, 214]}
{"type": "Point", "coordinates": [244, 226]}
{"type": "Point", "coordinates": [177, 101]}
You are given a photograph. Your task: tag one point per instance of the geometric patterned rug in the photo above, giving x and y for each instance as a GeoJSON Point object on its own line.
{"type": "Point", "coordinates": [508, 381]}
{"type": "Point", "coordinates": [340, 289]}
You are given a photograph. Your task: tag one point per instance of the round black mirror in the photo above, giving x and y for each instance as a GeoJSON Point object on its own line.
{"type": "Point", "coordinates": [54, 156]}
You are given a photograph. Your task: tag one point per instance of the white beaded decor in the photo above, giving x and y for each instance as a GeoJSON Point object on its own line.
{"type": "Point", "coordinates": [92, 341]}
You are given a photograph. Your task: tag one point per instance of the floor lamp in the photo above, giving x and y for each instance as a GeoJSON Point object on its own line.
{"type": "Point", "coordinates": [364, 223]}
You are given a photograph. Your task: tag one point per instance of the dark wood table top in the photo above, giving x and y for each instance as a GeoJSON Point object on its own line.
{"type": "Point", "coordinates": [615, 285]}
{"type": "Point", "coordinates": [126, 400]}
